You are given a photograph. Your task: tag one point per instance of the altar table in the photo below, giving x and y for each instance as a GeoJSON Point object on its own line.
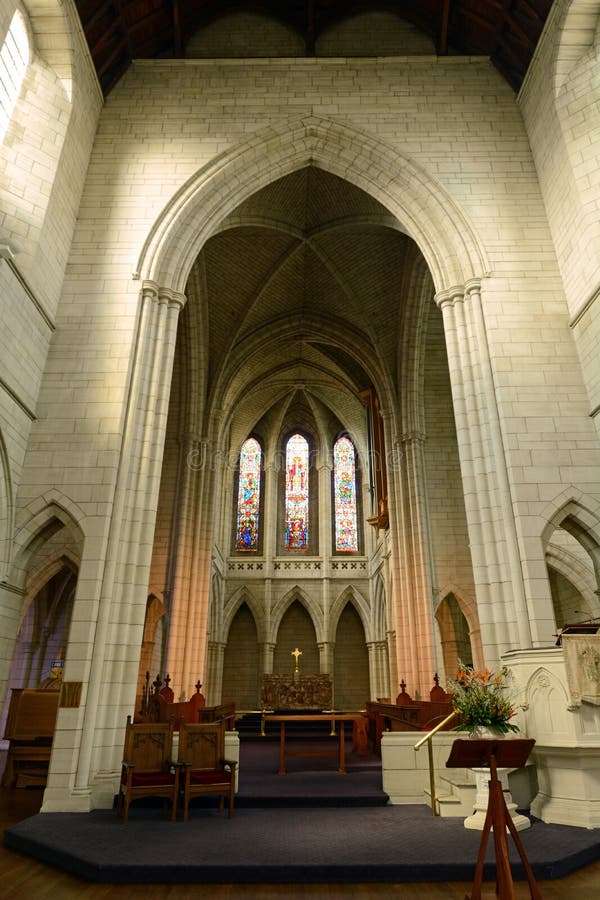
{"type": "Point", "coordinates": [340, 751]}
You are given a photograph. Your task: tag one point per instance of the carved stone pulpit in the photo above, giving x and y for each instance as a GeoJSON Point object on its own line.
{"type": "Point", "coordinates": [296, 692]}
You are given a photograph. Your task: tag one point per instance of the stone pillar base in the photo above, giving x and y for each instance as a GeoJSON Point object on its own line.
{"type": "Point", "coordinates": [477, 820]}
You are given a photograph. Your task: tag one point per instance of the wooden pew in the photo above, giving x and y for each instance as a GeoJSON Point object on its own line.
{"type": "Point", "coordinates": [407, 714]}
{"type": "Point", "coordinates": [29, 730]}
{"type": "Point", "coordinates": [192, 711]}
{"type": "Point", "coordinates": [158, 706]}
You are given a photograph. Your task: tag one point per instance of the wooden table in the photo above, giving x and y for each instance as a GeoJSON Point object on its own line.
{"type": "Point", "coordinates": [340, 751]}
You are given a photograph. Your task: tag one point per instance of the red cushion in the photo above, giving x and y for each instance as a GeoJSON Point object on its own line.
{"type": "Point", "coordinates": [141, 779]}
{"type": "Point", "coordinates": [201, 777]}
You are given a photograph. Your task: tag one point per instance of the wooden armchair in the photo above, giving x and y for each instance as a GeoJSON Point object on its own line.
{"type": "Point", "coordinates": [148, 769]}
{"type": "Point", "coordinates": [201, 754]}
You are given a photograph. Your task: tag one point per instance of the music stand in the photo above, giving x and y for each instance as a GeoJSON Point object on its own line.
{"type": "Point", "coordinates": [491, 753]}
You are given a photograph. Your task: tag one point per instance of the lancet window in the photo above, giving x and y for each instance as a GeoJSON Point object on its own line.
{"type": "Point", "coordinates": [344, 496]}
{"type": "Point", "coordinates": [14, 59]}
{"type": "Point", "coordinates": [296, 493]}
{"type": "Point", "coordinates": [248, 503]}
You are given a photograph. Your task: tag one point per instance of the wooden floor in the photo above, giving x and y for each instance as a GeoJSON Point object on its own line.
{"type": "Point", "coordinates": [25, 879]}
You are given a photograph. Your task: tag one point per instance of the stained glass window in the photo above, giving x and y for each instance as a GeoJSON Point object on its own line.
{"type": "Point", "coordinates": [296, 493]}
{"type": "Point", "coordinates": [248, 496]}
{"type": "Point", "coordinates": [344, 490]}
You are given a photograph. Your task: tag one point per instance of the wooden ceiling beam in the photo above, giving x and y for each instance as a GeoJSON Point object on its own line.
{"type": "Point", "coordinates": [99, 13]}
{"type": "Point", "coordinates": [177, 32]}
{"type": "Point", "coordinates": [122, 46]}
{"type": "Point", "coordinates": [151, 28]}
{"type": "Point", "coordinates": [479, 20]}
{"type": "Point", "coordinates": [108, 35]}
{"type": "Point", "coordinates": [125, 30]}
{"type": "Point", "coordinates": [443, 41]}
{"type": "Point", "coordinates": [310, 36]}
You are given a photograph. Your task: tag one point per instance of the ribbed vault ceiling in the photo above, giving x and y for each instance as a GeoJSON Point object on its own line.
{"type": "Point", "coordinates": [303, 298]}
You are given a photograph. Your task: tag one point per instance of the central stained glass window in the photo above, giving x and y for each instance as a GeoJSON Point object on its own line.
{"type": "Point", "coordinates": [296, 493]}
{"type": "Point", "coordinates": [248, 505]}
{"type": "Point", "coordinates": [344, 491]}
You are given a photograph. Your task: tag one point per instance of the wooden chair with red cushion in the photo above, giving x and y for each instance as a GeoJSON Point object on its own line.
{"type": "Point", "coordinates": [204, 768]}
{"type": "Point", "coordinates": [148, 769]}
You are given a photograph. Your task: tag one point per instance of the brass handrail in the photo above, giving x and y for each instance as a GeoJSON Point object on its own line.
{"type": "Point", "coordinates": [427, 740]}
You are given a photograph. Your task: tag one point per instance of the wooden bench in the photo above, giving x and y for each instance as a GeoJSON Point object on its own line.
{"type": "Point", "coordinates": [158, 706]}
{"type": "Point", "coordinates": [407, 714]}
{"type": "Point", "coordinates": [29, 730]}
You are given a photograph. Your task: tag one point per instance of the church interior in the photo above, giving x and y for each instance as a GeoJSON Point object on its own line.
{"type": "Point", "coordinates": [299, 384]}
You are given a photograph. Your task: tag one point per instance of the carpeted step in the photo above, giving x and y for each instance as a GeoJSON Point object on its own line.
{"type": "Point", "coordinates": [393, 844]}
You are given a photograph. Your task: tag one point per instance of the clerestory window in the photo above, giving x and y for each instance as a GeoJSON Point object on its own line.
{"type": "Point", "coordinates": [14, 59]}
{"type": "Point", "coordinates": [296, 493]}
{"type": "Point", "coordinates": [344, 497]}
{"type": "Point", "coordinates": [248, 503]}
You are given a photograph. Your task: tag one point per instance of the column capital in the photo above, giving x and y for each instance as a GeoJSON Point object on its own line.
{"type": "Point", "coordinates": [458, 292]}
{"type": "Point", "coordinates": [413, 437]}
{"type": "Point", "coordinates": [450, 296]}
{"type": "Point", "coordinates": [154, 291]}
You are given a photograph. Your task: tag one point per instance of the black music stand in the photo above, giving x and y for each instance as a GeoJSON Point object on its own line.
{"type": "Point", "coordinates": [507, 754]}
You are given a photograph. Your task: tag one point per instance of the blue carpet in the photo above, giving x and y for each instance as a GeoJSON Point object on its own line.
{"type": "Point", "coordinates": [318, 845]}
{"type": "Point", "coordinates": [313, 825]}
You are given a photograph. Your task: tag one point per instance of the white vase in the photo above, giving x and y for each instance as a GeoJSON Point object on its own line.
{"type": "Point", "coordinates": [482, 778]}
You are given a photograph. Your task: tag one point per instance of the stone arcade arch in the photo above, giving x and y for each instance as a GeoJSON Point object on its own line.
{"type": "Point", "coordinates": [456, 263]}
{"type": "Point", "coordinates": [579, 517]}
{"type": "Point", "coordinates": [426, 211]}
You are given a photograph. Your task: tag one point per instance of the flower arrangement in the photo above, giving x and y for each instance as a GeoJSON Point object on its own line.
{"type": "Point", "coordinates": [480, 701]}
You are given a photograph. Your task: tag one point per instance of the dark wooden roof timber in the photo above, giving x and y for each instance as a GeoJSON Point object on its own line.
{"type": "Point", "coordinates": [118, 31]}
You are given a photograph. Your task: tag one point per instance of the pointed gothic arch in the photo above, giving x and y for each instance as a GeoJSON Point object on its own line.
{"type": "Point", "coordinates": [232, 607]}
{"type": "Point", "coordinates": [241, 658]}
{"type": "Point", "coordinates": [282, 606]}
{"type": "Point", "coordinates": [580, 517]}
{"type": "Point", "coordinates": [45, 516]}
{"type": "Point", "coordinates": [571, 568]}
{"type": "Point", "coordinates": [351, 675]}
{"type": "Point", "coordinates": [350, 594]}
{"type": "Point", "coordinates": [467, 606]}
{"type": "Point", "coordinates": [425, 208]}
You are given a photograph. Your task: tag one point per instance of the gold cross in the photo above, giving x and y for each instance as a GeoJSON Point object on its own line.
{"type": "Point", "coordinates": [297, 653]}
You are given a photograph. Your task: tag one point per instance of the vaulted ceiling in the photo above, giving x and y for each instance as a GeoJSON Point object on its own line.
{"type": "Point", "coordinates": [119, 31]}
{"type": "Point", "coordinates": [309, 285]}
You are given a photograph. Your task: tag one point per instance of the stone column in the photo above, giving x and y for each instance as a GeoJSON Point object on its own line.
{"type": "Point", "coordinates": [270, 512]}
{"type": "Point", "coordinates": [120, 612]}
{"type": "Point", "coordinates": [412, 562]}
{"type": "Point", "coordinates": [325, 469]}
{"type": "Point", "coordinates": [192, 460]}
{"type": "Point", "coordinates": [379, 669]}
{"type": "Point", "coordinates": [424, 582]}
{"type": "Point", "coordinates": [326, 650]}
{"type": "Point", "coordinates": [215, 654]}
{"type": "Point", "coordinates": [492, 531]}
{"type": "Point", "coordinates": [194, 604]}
{"type": "Point", "coordinates": [268, 652]}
